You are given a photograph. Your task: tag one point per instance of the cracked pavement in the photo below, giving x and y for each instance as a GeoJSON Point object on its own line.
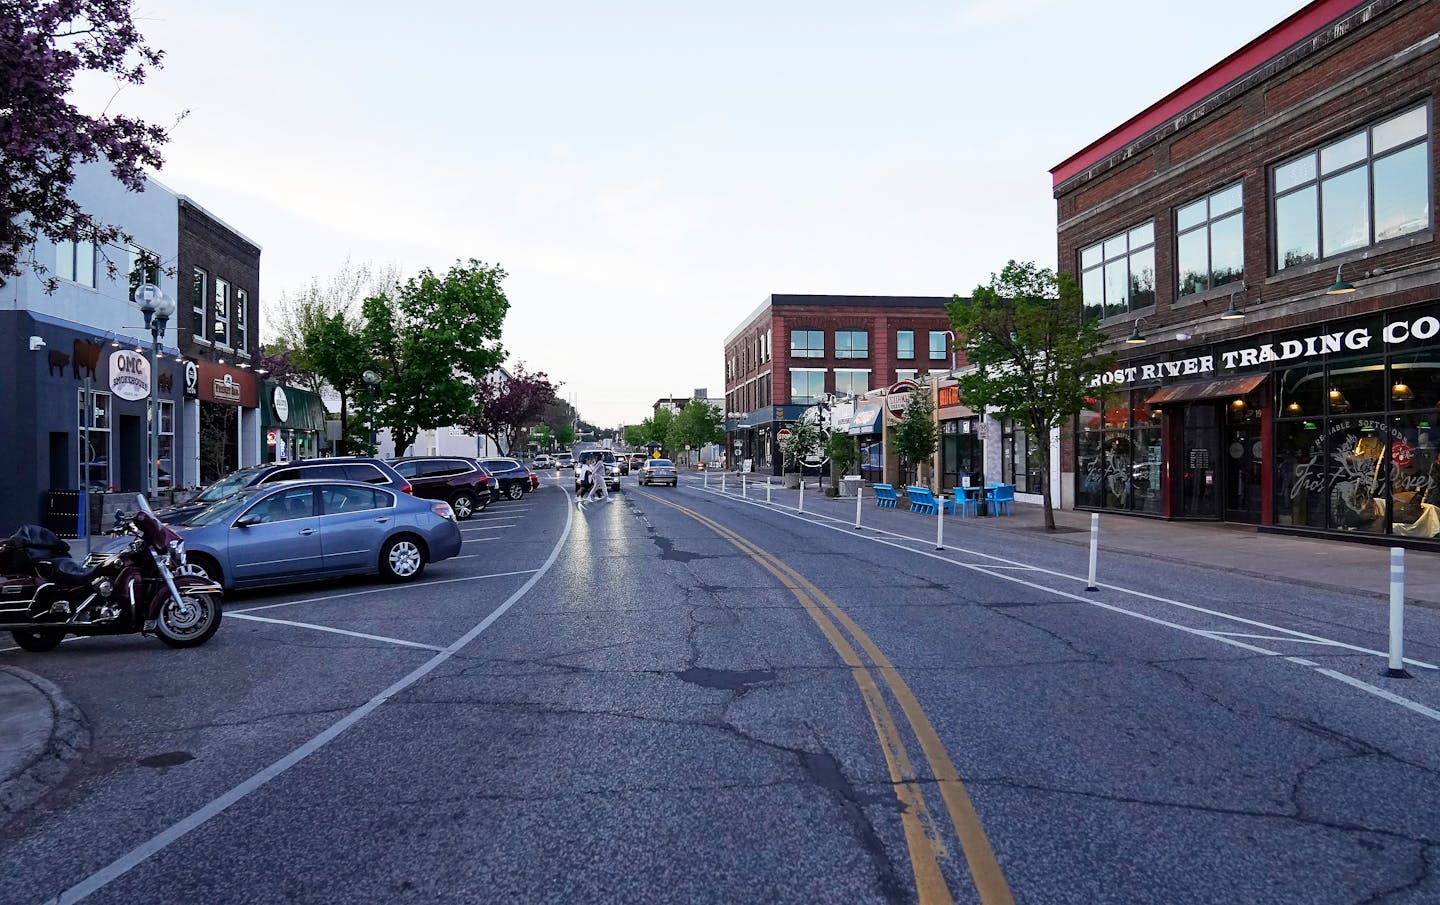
{"type": "Point", "coordinates": [659, 721]}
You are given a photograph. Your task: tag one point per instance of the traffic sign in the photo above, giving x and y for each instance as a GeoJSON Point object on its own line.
{"type": "Point", "coordinates": [783, 433]}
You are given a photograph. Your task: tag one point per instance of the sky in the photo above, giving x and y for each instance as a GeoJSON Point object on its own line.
{"type": "Point", "coordinates": [647, 173]}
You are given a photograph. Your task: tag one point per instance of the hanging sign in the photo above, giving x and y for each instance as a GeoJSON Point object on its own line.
{"type": "Point", "coordinates": [129, 375]}
{"type": "Point", "coordinates": [280, 404]}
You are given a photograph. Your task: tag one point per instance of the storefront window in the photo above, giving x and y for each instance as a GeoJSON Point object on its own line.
{"type": "Point", "coordinates": [1356, 386]}
{"type": "Point", "coordinates": [94, 421]}
{"type": "Point", "coordinates": [1089, 459]}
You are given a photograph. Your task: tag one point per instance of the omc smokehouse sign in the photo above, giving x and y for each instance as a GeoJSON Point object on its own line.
{"type": "Point", "coordinates": [1355, 339]}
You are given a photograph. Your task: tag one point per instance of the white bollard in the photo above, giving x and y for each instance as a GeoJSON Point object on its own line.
{"type": "Point", "coordinates": [744, 491]}
{"type": "Point", "coordinates": [859, 492]}
{"type": "Point", "coordinates": [1397, 614]}
{"type": "Point", "coordinates": [1094, 550]}
{"type": "Point", "coordinates": [939, 522]}
{"type": "Point", "coordinates": [767, 491]}
{"type": "Point", "coordinates": [707, 479]}
{"type": "Point", "coordinates": [802, 494]}
{"type": "Point", "coordinates": [722, 481]}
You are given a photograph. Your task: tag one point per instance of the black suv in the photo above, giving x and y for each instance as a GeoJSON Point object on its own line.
{"type": "Point", "coordinates": [340, 468]}
{"type": "Point", "coordinates": [460, 481]}
{"type": "Point", "coordinates": [515, 479]}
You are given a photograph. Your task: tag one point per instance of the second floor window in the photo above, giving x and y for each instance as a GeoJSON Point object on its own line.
{"type": "Point", "coordinates": [906, 374]}
{"type": "Point", "coordinates": [222, 312]}
{"type": "Point", "coordinates": [851, 383]}
{"type": "Point", "coordinates": [807, 343]}
{"type": "Point", "coordinates": [1210, 241]}
{"type": "Point", "coordinates": [905, 344]}
{"type": "Point", "coordinates": [939, 345]}
{"type": "Point", "coordinates": [198, 292]}
{"type": "Point", "coordinates": [1118, 274]}
{"type": "Point", "coordinates": [1360, 190]}
{"type": "Point", "coordinates": [806, 387]}
{"type": "Point", "coordinates": [75, 261]}
{"type": "Point", "coordinates": [852, 344]}
{"type": "Point", "coordinates": [237, 339]}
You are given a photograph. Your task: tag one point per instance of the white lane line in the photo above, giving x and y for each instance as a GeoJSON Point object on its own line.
{"type": "Point", "coordinates": [162, 840]}
{"type": "Point", "coordinates": [1287, 640]}
{"type": "Point", "coordinates": [490, 527]}
{"type": "Point", "coordinates": [336, 631]}
{"type": "Point", "coordinates": [848, 529]}
{"type": "Point", "coordinates": [423, 584]}
{"type": "Point", "coordinates": [1301, 661]}
{"type": "Point", "coordinates": [1366, 687]}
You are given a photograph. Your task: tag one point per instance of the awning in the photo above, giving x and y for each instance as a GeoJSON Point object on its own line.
{"type": "Point", "coordinates": [867, 417]}
{"type": "Point", "coordinates": [1196, 390]}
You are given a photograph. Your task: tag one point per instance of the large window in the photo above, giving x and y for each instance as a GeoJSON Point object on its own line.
{"type": "Point", "coordinates": [852, 344]}
{"type": "Point", "coordinates": [905, 374]}
{"type": "Point", "coordinates": [237, 338]}
{"type": "Point", "coordinates": [143, 267]}
{"type": "Point", "coordinates": [851, 382]}
{"type": "Point", "coordinates": [1118, 274]}
{"type": "Point", "coordinates": [1021, 462]}
{"type": "Point", "coordinates": [939, 345]}
{"type": "Point", "coordinates": [75, 261]}
{"type": "Point", "coordinates": [197, 303]}
{"type": "Point", "coordinates": [806, 385]}
{"type": "Point", "coordinates": [1210, 241]}
{"type": "Point", "coordinates": [1362, 189]}
{"type": "Point", "coordinates": [905, 344]}
{"type": "Point", "coordinates": [222, 312]}
{"type": "Point", "coordinates": [807, 343]}
{"type": "Point", "coordinates": [165, 454]}
{"type": "Point", "coordinates": [1118, 453]}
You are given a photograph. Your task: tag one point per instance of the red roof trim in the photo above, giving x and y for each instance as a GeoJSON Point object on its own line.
{"type": "Point", "coordinates": [1272, 43]}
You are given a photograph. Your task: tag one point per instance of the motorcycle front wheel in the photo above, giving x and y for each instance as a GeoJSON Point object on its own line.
{"type": "Point", "coordinates": [190, 622]}
{"type": "Point", "coordinates": [38, 640]}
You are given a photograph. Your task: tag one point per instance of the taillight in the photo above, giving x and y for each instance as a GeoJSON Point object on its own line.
{"type": "Point", "coordinates": [408, 489]}
{"type": "Point", "coordinates": [443, 510]}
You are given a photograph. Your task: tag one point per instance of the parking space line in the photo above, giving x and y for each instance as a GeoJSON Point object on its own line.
{"type": "Point", "coordinates": [423, 584]}
{"type": "Point", "coordinates": [336, 631]}
{"type": "Point", "coordinates": [490, 527]}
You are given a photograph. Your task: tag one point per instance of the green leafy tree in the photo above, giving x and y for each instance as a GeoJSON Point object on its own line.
{"type": "Point", "coordinates": [542, 437]}
{"type": "Point", "coordinates": [635, 436]}
{"type": "Point", "coordinates": [564, 435]}
{"type": "Point", "coordinates": [844, 452]}
{"type": "Point", "coordinates": [335, 351]}
{"type": "Point", "coordinates": [1036, 355]}
{"type": "Point", "coordinates": [803, 443]}
{"type": "Point", "coordinates": [916, 436]}
{"type": "Point", "coordinates": [432, 341]}
{"type": "Point", "coordinates": [699, 424]}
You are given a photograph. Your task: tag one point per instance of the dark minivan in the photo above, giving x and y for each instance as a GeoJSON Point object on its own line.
{"type": "Point", "coordinates": [458, 480]}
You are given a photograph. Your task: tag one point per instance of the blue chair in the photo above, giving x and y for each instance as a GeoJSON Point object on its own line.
{"type": "Point", "coordinates": [921, 500]}
{"type": "Point", "coordinates": [1000, 497]}
{"type": "Point", "coordinates": [885, 496]}
{"type": "Point", "coordinates": [969, 500]}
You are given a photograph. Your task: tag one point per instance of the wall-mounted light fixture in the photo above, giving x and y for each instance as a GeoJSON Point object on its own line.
{"type": "Point", "coordinates": [1135, 338]}
{"type": "Point", "coordinates": [1234, 312]}
{"type": "Point", "coordinates": [1341, 287]}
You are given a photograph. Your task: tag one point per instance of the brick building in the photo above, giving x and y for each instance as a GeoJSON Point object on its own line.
{"type": "Point", "coordinates": [1208, 232]}
{"type": "Point", "coordinates": [218, 322]}
{"type": "Point", "coordinates": [796, 350]}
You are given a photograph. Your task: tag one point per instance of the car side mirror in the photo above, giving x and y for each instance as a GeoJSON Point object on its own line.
{"type": "Point", "coordinates": [245, 521]}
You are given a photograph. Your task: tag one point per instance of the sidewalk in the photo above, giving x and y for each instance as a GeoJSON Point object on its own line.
{"type": "Point", "coordinates": [1303, 561]}
{"type": "Point", "coordinates": [40, 733]}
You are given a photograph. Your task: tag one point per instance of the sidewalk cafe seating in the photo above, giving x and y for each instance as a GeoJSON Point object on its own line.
{"type": "Point", "coordinates": [924, 502]}
{"type": "Point", "coordinates": [969, 500]}
{"type": "Point", "coordinates": [885, 496]}
{"type": "Point", "coordinates": [1000, 496]}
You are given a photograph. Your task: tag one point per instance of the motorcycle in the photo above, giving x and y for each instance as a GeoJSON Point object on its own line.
{"type": "Point", "coordinates": [143, 587]}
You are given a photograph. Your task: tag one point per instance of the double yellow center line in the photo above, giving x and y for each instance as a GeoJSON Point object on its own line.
{"type": "Point", "coordinates": [926, 842]}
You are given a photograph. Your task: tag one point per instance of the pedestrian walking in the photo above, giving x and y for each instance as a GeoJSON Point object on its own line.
{"type": "Point", "coordinates": [598, 490]}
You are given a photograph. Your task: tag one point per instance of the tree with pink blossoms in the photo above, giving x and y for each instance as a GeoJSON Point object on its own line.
{"type": "Point", "coordinates": [44, 45]}
{"type": "Point", "coordinates": [506, 408]}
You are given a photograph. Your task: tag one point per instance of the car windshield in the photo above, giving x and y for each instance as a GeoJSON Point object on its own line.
{"type": "Point", "coordinates": [228, 509]}
{"type": "Point", "coordinates": [661, 463]}
{"type": "Point", "coordinates": [227, 485]}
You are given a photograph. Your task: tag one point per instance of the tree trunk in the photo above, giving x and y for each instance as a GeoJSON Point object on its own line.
{"type": "Point", "coordinates": [404, 439]}
{"type": "Point", "coordinates": [344, 424]}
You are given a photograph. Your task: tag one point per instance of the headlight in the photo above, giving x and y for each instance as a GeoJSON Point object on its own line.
{"type": "Point", "coordinates": [177, 550]}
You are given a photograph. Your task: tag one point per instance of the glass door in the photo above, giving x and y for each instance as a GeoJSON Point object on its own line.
{"type": "Point", "coordinates": [1199, 469]}
{"type": "Point", "coordinates": [1243, 462]}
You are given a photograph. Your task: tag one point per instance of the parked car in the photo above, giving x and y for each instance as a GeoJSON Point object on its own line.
{"type": "Point", "coordinates": [659, 471]}
{"type": "Point", "coordinates": [340, 468]}
{"type": "Point", "coordinates": [459, 480]}
{"type": "Point", "coordinates": [515, 479]}
{"type": "Point", "coordinates": [277, 533]}
{"type": "Point", "coordinates": [612, 467]}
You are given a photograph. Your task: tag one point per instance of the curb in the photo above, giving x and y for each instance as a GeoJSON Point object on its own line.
{"type": "Point", "coordinates": [46, 769]}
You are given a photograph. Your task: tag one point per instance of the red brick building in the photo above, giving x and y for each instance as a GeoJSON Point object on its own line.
{"type": "Point", "coordinates": [797, 350]}
{"type": "Point", "coordinates": [1207, 231]}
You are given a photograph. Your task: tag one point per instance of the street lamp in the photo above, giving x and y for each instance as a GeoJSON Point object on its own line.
{"type": "Point", "coordinates": [157, 308]}
{"type": "Point", "coordinates": [372, 380]}
{"type": "Point", "coordinates": [951, 334]}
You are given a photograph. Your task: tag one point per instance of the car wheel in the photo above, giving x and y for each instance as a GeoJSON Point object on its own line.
{"type": "Point", "coordinates": [465, 504]}
{"type": "Point", "coordinates": [203, 566]}
{"type": "Point", "coordinates": [39, 640]}
{"type": "Point", "coordinates": [402, 558]}
{"type": "Point", "coordinates": [515, 492]}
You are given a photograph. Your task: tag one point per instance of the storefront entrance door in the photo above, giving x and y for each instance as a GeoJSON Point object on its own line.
{"type": "Point", "coordinates": [1243, 462]}
{"type": "Point", "coordinates": [1200, 462]}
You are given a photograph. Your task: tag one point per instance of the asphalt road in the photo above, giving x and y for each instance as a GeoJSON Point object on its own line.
{"type": "Point", "coordinates": [679, 696]}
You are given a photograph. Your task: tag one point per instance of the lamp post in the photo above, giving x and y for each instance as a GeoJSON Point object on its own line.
{"type": "Point", "coordinates": [157, 308]}
{"type": "Point", "coordinates": [372, 380]}
{"type": "Point", "coordinates": [951, 335]}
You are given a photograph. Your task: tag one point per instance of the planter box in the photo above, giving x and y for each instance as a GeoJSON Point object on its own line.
{"type": "Point", "coordinates": [792, 480]}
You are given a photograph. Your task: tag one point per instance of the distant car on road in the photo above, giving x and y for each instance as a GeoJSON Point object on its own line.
{"type": "Point", "coordinates": [612, 467]}
{"type": "Point", "coordinates": [302, 530]}
{"type": "Point", "coordinates": [564, 460]}
{"type": "Point", "coordinates": [458, 480]}
{"type": "Point", "coordinates": [659, 471]}
{"type": "Point", "coordinates": [543, 461]}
